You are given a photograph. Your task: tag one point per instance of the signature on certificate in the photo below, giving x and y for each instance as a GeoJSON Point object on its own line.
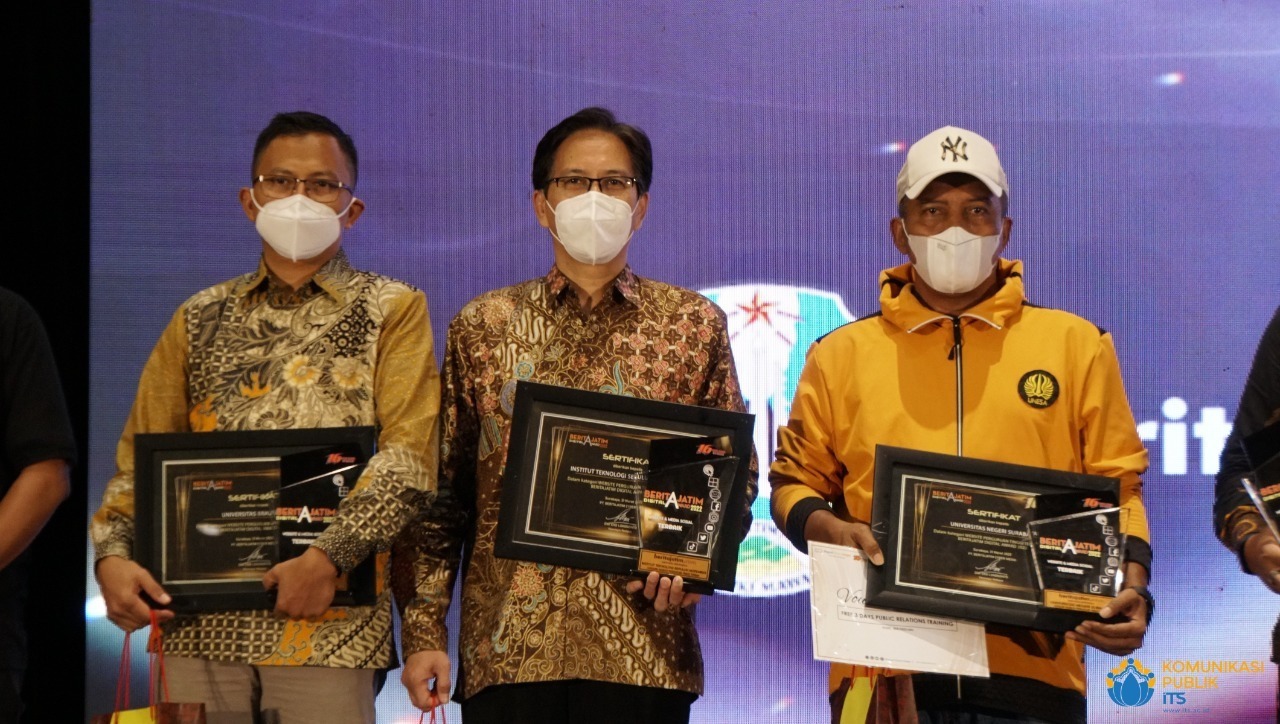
{"type": "Point", "coordinates": [992, 567]}
{"type": "Point", "coordinates": [254, 555]}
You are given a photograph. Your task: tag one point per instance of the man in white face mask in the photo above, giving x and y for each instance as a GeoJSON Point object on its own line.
{"type": "Point", "coordinates": [301, 199]}
{"type": "Point", "coordinates": [305, 341]}
{"type": "Point", "coordinates": [544, 643]}
{"type": "Point", "coordinates": [958, 362]}
{"type": "Point", "coordinates": [952, 222]}
{"type": "Point", "coordinates": [592, 204]}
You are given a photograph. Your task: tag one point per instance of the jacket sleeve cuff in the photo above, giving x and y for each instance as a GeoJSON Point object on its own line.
{"type": "Point", "coordinates": [112, 535]}
{"type": "Point", "coordinates": [343, 547]}
{"type": "Point", "coordinates": [418, 633]}
{"type": "Point", "coordinates": [798, 516]}
{"type": "Point", "coordinates": [1137, 550]}
{"type": "Point", "coordinates": [115, 549]}
{"type": "Point", "coordinates": [1241, 525]}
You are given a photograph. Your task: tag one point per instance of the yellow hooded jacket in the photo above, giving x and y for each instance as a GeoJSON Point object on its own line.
{"type": "Point", "coordinates": [912, 377]}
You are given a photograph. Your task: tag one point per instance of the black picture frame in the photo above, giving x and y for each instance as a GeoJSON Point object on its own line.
{"type": "Point", "coordinates": [904, 583]}
{"type": "Point", "coordinates": [168, 466]}
{"type": "Point", "coordinates": [529, 483]}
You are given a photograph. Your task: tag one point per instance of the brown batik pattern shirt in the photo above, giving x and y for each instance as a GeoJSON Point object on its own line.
{"type": "Point", "coordinates": [528, 622]}
{"type": "Point", "coordinates": [347, 348]}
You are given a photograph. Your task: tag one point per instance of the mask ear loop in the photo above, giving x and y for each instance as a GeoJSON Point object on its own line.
{"type": "Point", "coordinates": [553, 214]}
{"type": "Point", "coordinates": [347, 207]}
{"type": "Point", "coordinates": [915, 276]}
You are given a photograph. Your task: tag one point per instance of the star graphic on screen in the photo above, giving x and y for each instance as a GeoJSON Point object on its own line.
{"type": "Point", "coordinates": [758, 310]}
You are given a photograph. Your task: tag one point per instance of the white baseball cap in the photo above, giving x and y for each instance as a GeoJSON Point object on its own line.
{"type": "Point", "coordinates": [951, 150]}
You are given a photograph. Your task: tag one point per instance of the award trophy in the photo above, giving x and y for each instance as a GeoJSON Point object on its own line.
{"type": "Point", "coordinates": [681, 507]}
{"type": "Point", "coordinates": [1078, 559]}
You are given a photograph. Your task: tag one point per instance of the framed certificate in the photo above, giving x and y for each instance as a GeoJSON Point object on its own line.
{"type": "Point", "coordinates": [992, 541]}
{"type": "Point", "coordinates": [624, 485]}
{"type": "Point", "coordinates": [216, 510]}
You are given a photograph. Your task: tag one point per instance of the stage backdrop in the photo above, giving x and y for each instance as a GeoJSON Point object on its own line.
{"type": "Point", "coordinates": [1141, 139]}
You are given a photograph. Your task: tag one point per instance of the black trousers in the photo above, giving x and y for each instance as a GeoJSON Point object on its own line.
{"type": "Point", "coordinates": [578, 701]}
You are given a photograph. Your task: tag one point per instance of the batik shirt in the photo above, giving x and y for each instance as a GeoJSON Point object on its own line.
{"type": "Point", "coordinates": [528, 622]}
{"type": "Point", "coordinates": [347, 348]}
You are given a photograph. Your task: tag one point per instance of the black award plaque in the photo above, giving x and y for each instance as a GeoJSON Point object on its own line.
{"type": "Point", "coordinates": [581, 469]}
{"type": "Point", "coordinates": [217, 510]}
{"type": "Point", "coordinates": [992, 541]}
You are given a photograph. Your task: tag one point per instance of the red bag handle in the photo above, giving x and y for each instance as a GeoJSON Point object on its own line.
{"type": "Point", "coordinates": [435, 704]}
{"type": "Point", "coordinates": [155, 646]}
{"type": "Point", "coordinates": [122, 679]}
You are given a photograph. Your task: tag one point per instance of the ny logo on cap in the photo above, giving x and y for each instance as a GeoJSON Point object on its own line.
{"type": "Point", "coordinates": [956, 147]}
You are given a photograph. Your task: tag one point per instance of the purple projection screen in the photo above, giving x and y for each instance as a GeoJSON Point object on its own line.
{"type": "Point", "coordinates": [1141, 139]}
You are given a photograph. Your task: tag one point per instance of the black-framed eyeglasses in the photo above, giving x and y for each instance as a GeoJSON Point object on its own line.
{"type": "Point", "coordinates": [319, 189]}
{"type": "Point", "coordinates": [610, 185]}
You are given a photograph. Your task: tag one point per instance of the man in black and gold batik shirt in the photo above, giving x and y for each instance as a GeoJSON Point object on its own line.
{"type": "Point", "coordinates": [306, 341]}
{"type": "Point", "coordinates": [542, 643]}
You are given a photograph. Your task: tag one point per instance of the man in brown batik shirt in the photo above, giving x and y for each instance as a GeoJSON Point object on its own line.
{"type": "Point", "coordinates": [542, 643]}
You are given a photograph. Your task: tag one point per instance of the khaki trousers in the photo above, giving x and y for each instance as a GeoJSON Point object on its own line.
{"type": "Point", "coordinates": [244, 694]}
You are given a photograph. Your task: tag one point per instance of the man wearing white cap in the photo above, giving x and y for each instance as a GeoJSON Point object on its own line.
{"type": "Point", "coordinates": [959, 362]}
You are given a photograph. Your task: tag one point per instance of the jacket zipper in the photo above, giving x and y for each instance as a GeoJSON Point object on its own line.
{"type": "Point", "coordinates": [957, 354]}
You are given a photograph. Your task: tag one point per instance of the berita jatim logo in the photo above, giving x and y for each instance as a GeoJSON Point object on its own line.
{"type": "Point", "coordinates": [1130, 683]}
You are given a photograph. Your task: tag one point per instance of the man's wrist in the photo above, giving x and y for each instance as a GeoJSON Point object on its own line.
{"type": "Point", "coordinates": [1146, 596]}
{"type": "Point", "coordinates": [98, 563]}
{"type": "Point", "coordinates": [815, 522]}
{"type": "Point", "coordinates": [797, 522]}
{"type": "Point", "coordinates": [323, 556]}
{"type": "Point", "coordinates": [1251, 551]}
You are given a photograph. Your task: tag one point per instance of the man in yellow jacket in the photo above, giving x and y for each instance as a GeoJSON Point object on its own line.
{"type": "Point", "coordinates": [944, 367]}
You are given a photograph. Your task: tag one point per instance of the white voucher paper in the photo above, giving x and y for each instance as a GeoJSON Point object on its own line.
{"type": "Point", "coordinates": [846, 631]}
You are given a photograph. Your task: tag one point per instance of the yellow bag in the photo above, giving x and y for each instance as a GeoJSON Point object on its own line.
{"type": "Point", "coordinates": [163, 713]}
{"type": "Point", "coordinates": [157, 711]}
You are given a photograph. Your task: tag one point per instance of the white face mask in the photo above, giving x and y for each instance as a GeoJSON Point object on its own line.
{"type": "Point", "coordinates": [298, 227]}
{"type": "Point", "coordinates": [954, 261]}
{"type": "Point", "coordinates": [593, 226]}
